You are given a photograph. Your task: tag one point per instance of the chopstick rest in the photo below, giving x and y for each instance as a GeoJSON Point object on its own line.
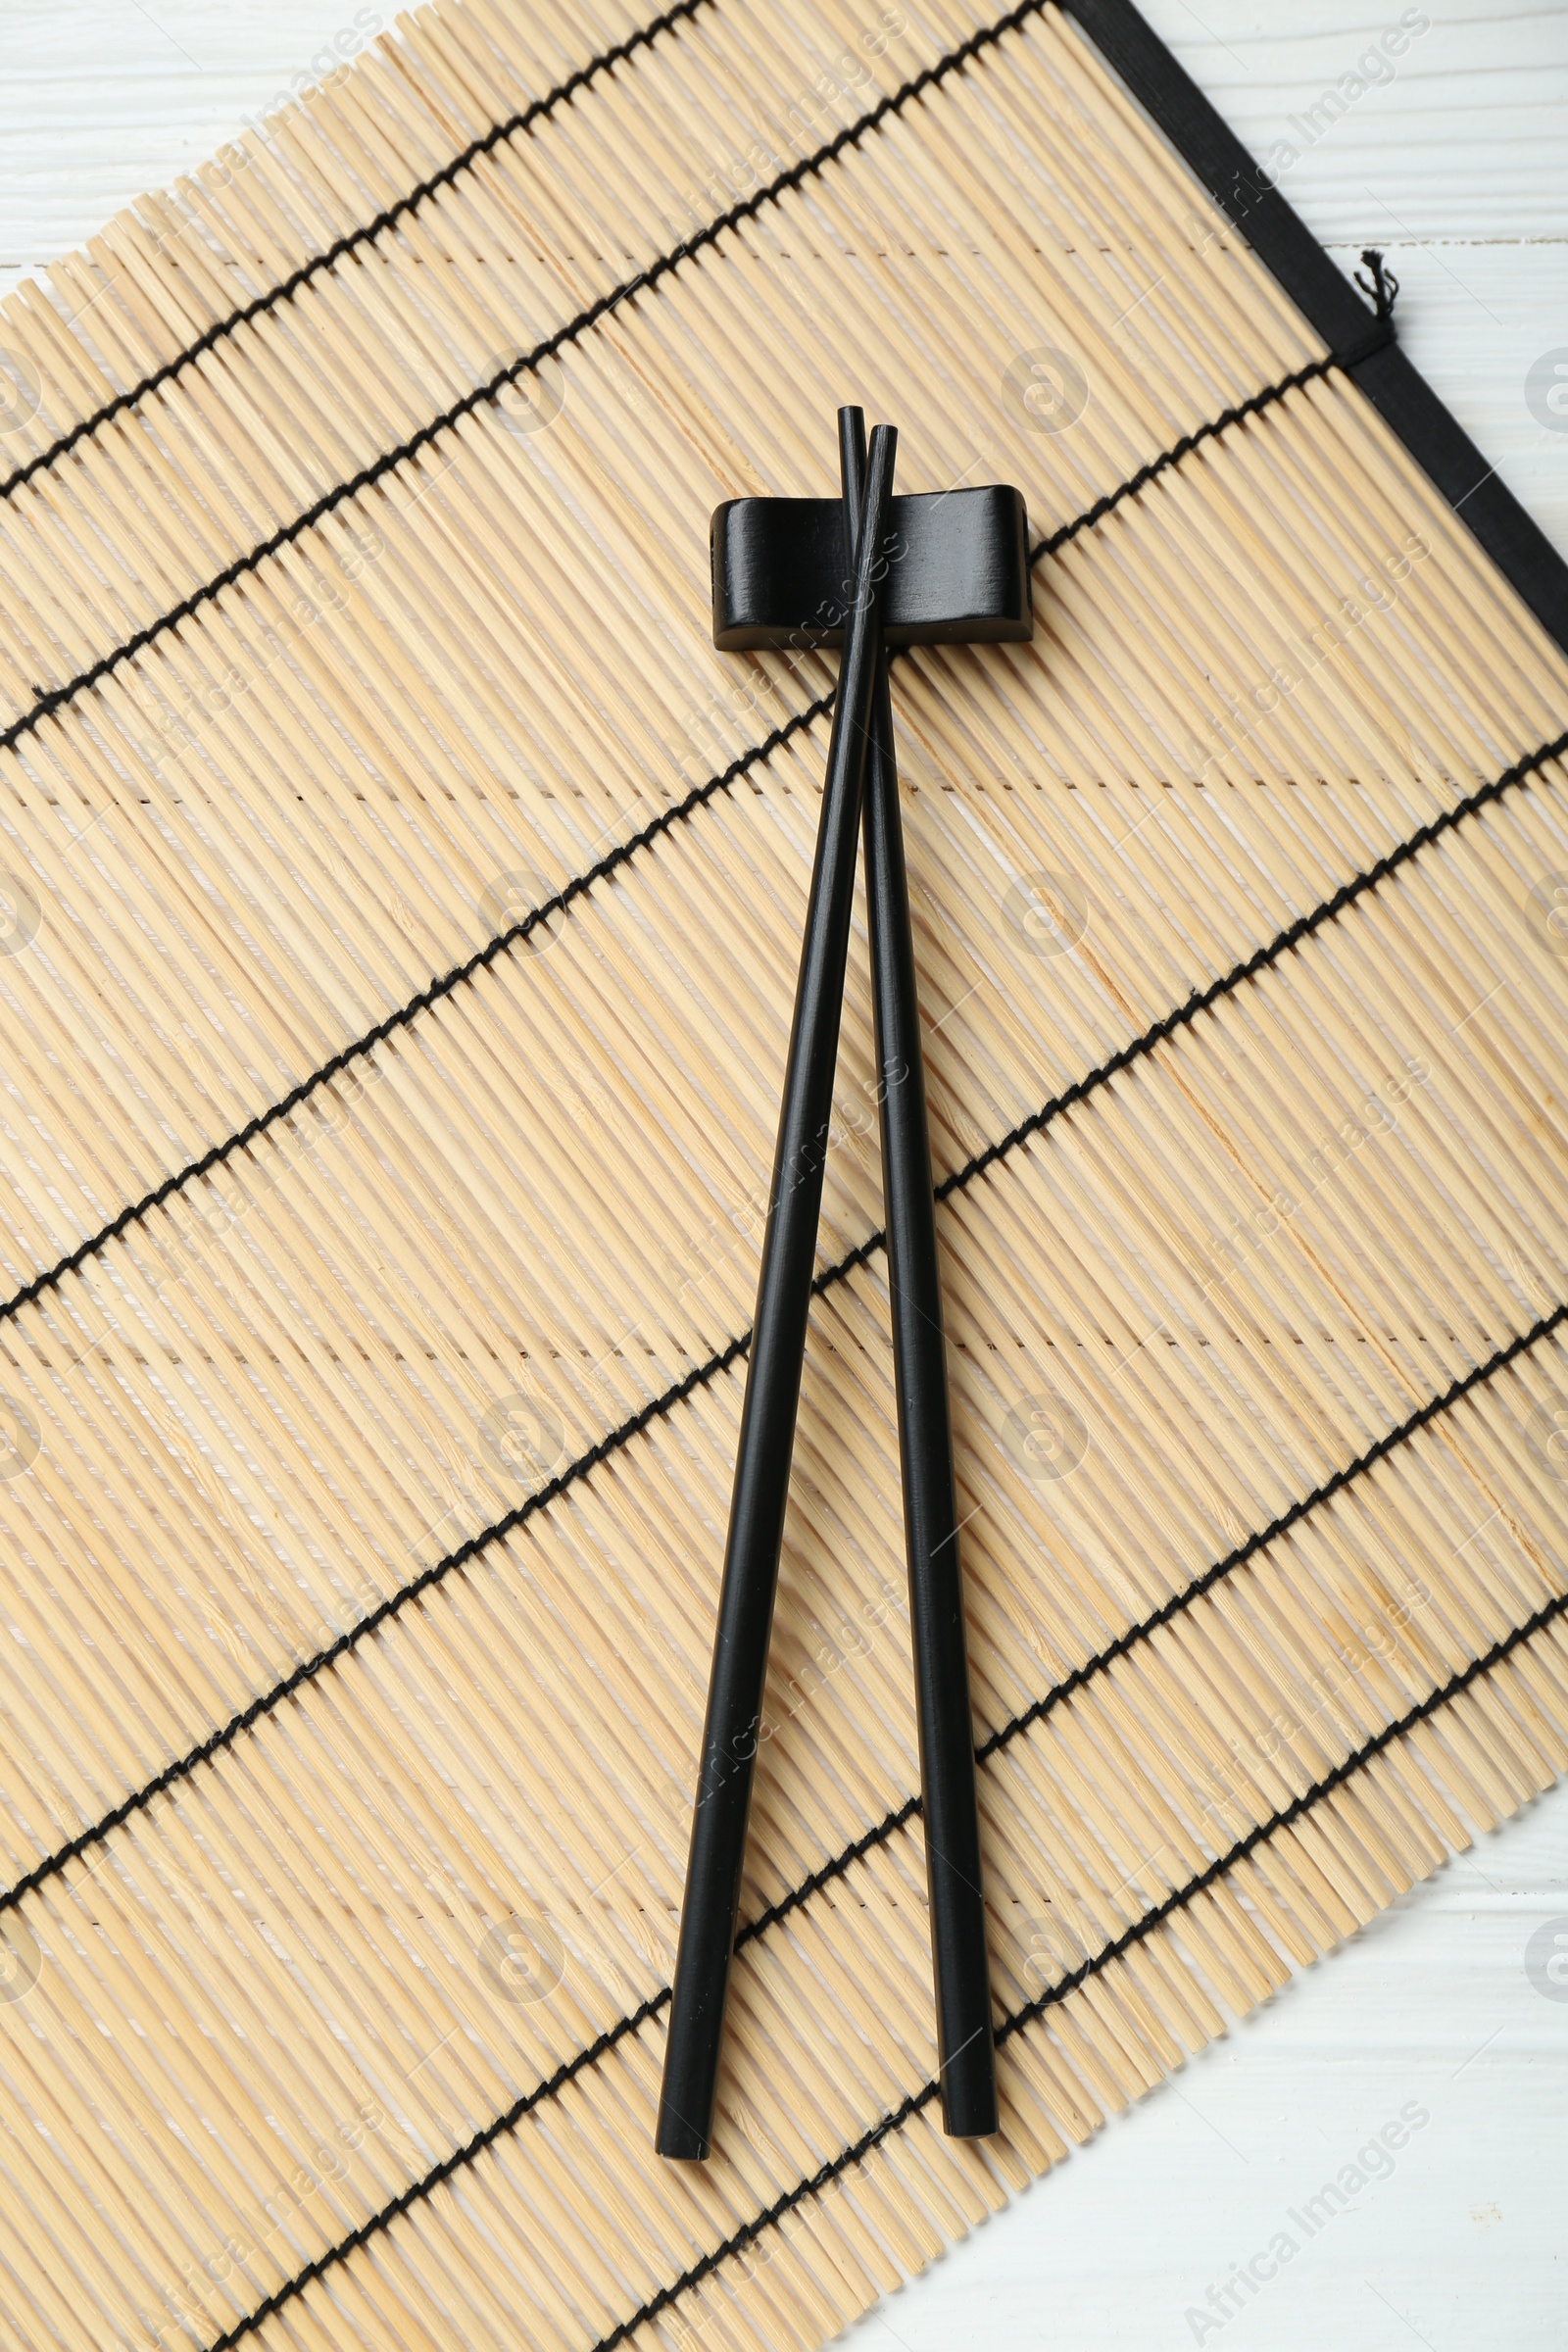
{"type": "Point", "coordinates": [780, 567]}
{"type": "Point", "coordinates": [773, 1374]}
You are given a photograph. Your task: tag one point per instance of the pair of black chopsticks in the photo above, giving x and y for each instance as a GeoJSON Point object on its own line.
{"type": "Point", "coordinates": [860, 771]}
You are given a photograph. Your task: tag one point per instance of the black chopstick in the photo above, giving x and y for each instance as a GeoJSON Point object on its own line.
{"type": "Point", "coordinates": [960, 1964]}
{"type": "Point", "coordinates": [773, 1379]}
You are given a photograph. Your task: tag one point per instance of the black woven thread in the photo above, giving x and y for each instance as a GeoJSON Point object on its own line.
{"type": "Point", "coordinates": [405, 1014]}
{"type": "Point", "coordinates": [368, 475]}
{"type": "Point", "coordinates": [1382, 286]}
{"type": "Point", "coordinates": [702, 1374]}
{"type": "Point", "coordinates": [1454, 1688]}
{"type": "Point", "coordinates": [585, 2060]}
{"type": "Point", "coordinates": [581, 884]}
{"type": "Point", "coordinates": [1279, 945]}
{"type": "Point", "coordinates": [1377, 340]}
{"type": "Point", "coordinates": [309, 1668]}
{"type": "Point", "coordinates": [290, 286]}
{"type": "Point", "coordinates": [749, 2231]}
{"type": "Point", "coordinates": [1103, 1659]}
{"type": "Point", "coordinates": [825, 2176]}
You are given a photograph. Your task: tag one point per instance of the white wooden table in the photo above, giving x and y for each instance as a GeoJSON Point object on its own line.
{"type": "Point", "coordinates": [1455, 167]}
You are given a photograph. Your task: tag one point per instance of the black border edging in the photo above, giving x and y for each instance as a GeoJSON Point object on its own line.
{"type": "Point", "coordinates": [1288, 249]}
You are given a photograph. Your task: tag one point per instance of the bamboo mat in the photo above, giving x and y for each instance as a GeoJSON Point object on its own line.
{"type": "Point", "coordinates": [402, 902]}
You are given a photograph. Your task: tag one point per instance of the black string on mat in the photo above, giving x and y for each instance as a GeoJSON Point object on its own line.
{"type": "Point", "coordinates": [856, 2153]}
{"type": "Point", "coordinates": [702, 1374]}
{"type": "Point", "coordinates": [1382, 286]}
{"type": "Point", "coordinates": [379, 468]}
{"type": "Point", "coordinates": [446, 178]}
{"type": "Point", "coordinates": [448, 982]}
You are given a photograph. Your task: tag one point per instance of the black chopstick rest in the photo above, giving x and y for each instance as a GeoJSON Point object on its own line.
{"type": "Point", "coordinates": [961, 575]}
{"type": "Point", "coordinates": [960, 1961]}
{"type": "Point", "coordinates": [773, 1378]}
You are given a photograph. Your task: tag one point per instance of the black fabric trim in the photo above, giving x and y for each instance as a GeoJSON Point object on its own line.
{"type": "Point", "coordinates": [1439, 444]}
{"type": "Point", "coordinates": [748, 2231]}
{"type": "Point", "coordinates": [580, 884]}
{"type": "Point", "coordinates": [702, 1374]}
{"type": "Point", "coordinates": [447, 178]}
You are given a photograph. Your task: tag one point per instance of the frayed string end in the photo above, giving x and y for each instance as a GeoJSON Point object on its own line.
{"type": "Point", "coordinates": [1382, 286]}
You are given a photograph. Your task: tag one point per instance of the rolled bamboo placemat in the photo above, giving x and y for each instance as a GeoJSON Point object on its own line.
{"type": "Point", "coordinates": [401, 905]}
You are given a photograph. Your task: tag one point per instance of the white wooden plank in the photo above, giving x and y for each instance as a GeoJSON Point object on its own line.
{"type": "Point", "coordinates": [101, 98]}
{"type": "Point", "coordinates": [1464, 137]}
{"type": "Point", "coordinates": [1462, 2243]}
